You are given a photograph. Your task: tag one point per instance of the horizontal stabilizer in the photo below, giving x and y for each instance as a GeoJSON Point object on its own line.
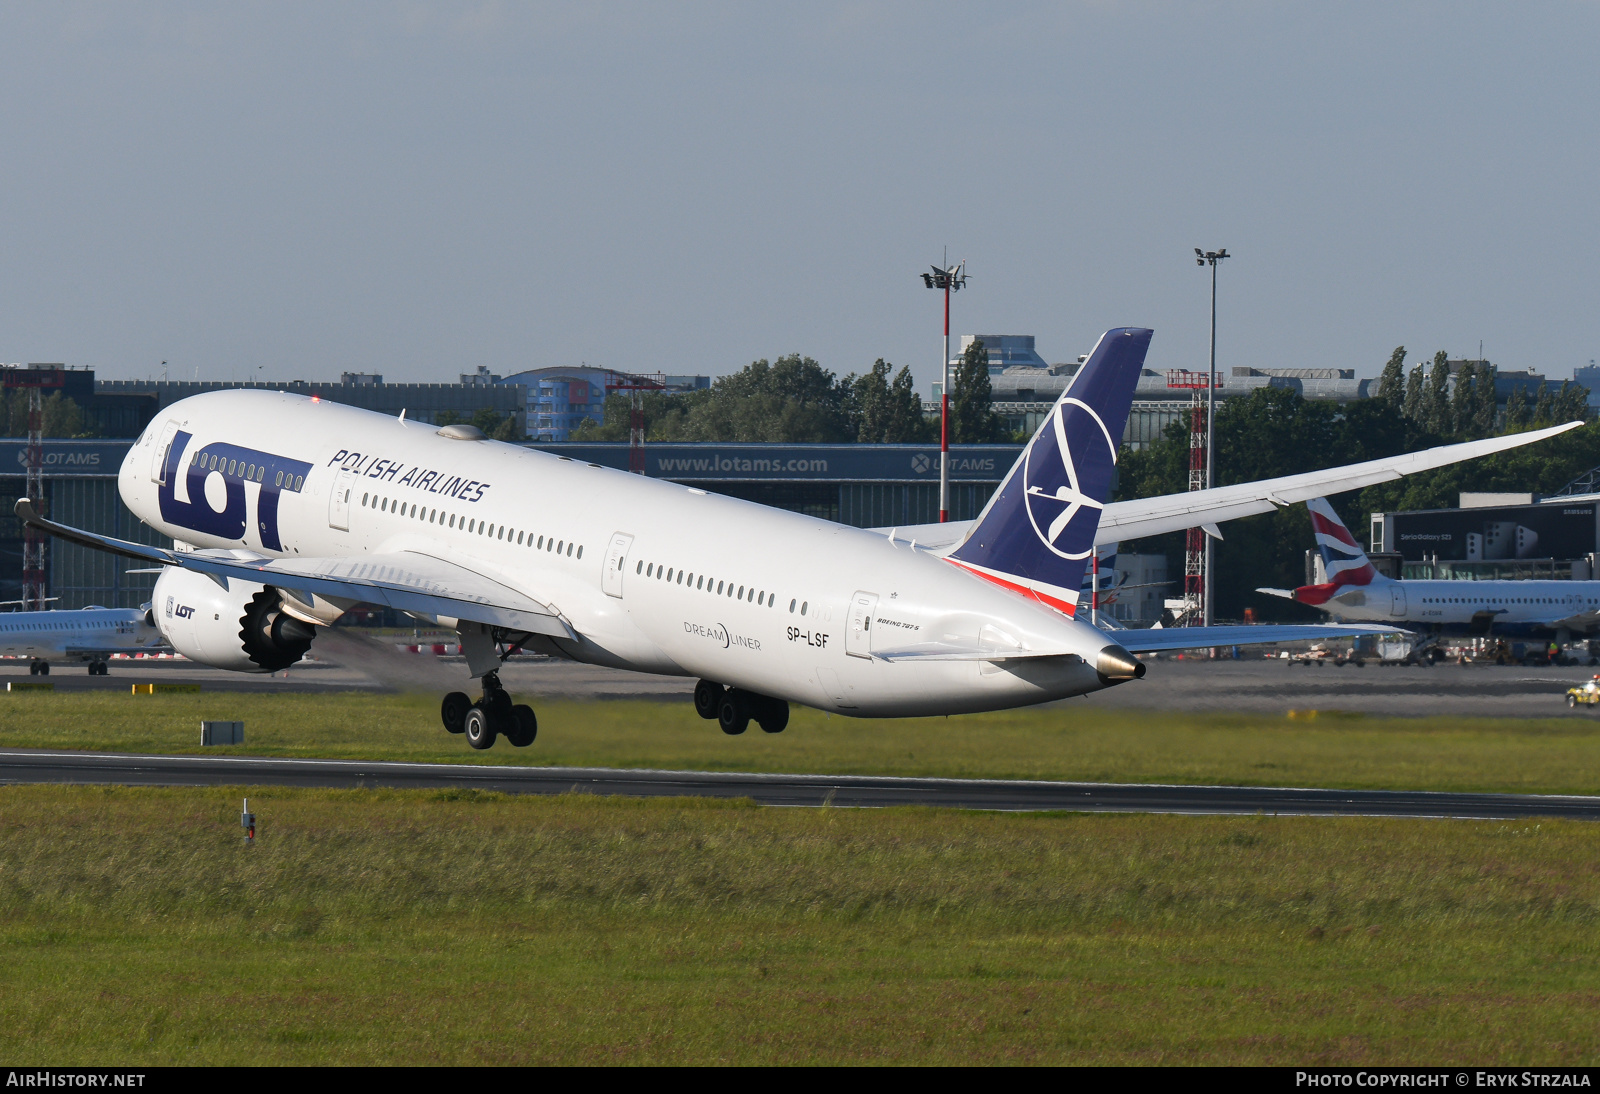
{"type": "Point", "coordinates": [1287, 594]}
{"type": "Point", "coordinates": [1200, 638]}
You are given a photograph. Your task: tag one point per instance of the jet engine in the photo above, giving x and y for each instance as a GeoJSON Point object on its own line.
{"type": "Point", "coordinates": [242, 627]}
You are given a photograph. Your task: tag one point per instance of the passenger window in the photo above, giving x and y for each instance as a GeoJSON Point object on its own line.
{"type": "Point", "coordinates": [791, 607]}
{"type": "Point", "coordinates": [803, 608]}
{"type": "Point", "coordinates": [580, 552]}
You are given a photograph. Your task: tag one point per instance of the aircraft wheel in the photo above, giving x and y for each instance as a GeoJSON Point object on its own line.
{"type": "Point", "coordinates": [733, 716]}
{"type": "Point", "coordinates": [773, 717]}
{"type": "Point", "coordinates": [44, 668]}
{"type": "Point", "coordinates": [453, 711]}
{"type": "Point", "coordinates": [524, 726]}
{"type": "Point", "coordinates": [478, 728]}
{"type": "Point", "coordinates": [707, 698]}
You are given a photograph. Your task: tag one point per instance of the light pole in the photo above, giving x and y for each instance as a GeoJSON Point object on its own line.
{"type": "Point", "coordinates": [950, 279]}
{"type": "Point", "coordinates": [1212, 259]}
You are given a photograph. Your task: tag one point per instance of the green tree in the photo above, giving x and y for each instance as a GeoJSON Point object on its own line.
{"type": "Point", "coordinates": [1543, 409]}
{"type": "Point", "coordinates": [972, 417]}
{"type": "Point", "coordinates": [1463, 400]}
{"type": "Point", "coordinates": [1484, 407]}
{"type": "Point", "coordinates": [1436, 416]}
{"type": "Point", "coordinates": [1414, 387]}
{"type": "Point", "coordinates": [1392, 382]}
{"type": "Point", "coordinates": [907, 424]}
{"type": "Point", "coordinates": [62, 417]}
{"type": "Point", "coordinates": [1572, 405]}
{"type": "Point", "coordinates": [870, 402]}
{"type": "Point", "coordinates": [496, 426]}
{"type": "Point", "coordinates": [1517, 416]}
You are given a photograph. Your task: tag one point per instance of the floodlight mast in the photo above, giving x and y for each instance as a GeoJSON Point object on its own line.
{"type": "Point", "coordinates": [1212, 259]}
{"type": "Point", "coordinates": [950, 279]}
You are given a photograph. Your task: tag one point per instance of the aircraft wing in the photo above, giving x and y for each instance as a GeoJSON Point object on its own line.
{"type": "Point", "coordinates": [407, 581]}
{"type": "Point", "coordinates": [1124, 520]}
{"type": "Point", "coordinates": [1580, 621]}
{"type": "Point", "coordinates": [1136, 519]}
{"type": "Point", "coordinates": [1261, 634]}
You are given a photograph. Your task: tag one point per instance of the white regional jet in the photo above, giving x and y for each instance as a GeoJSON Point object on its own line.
{"type": "Point", "coordinates": [287, 511]}
{"type": "Point", "coordinates": [87, 634]}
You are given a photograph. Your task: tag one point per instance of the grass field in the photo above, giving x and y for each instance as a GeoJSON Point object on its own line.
{"type": "Point", "coordinates": [418, 927]}
{"type": "Point", "coordinates": [1066, 742]}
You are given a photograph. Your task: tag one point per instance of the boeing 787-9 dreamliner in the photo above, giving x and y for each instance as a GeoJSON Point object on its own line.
{"type": "Point", "coordinates": [287, 511]}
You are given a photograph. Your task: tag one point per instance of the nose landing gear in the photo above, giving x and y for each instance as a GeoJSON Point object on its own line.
{"type": "Point", "coordinates": [490, 717]}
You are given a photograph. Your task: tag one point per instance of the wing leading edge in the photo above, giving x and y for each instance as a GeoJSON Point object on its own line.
{"type": "Point", "coordinates": [1127, 520]}
{"type": "Point", "coordinates": [407, 581]}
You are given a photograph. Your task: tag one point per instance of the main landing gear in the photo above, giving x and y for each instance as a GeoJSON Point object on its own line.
{"type": "Point", "coordinates": [99, 668]}
{"type": "Point", "coordinates": [492, 716]}
{"type": "Point", "coordinates": [733, 708]}
{"type": "Point", "coordinates": [39, 668]}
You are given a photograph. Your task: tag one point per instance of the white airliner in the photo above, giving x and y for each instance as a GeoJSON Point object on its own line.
{"type": "Point", "coordinates": [1356, 592]}
{"type": "Point", "coordinates": [287, 511]}
{"type": "Point", "coordinates": [88, 634]}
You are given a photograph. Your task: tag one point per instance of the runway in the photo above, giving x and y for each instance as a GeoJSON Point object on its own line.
{"type": "Point", "coordinates": [106, 768]}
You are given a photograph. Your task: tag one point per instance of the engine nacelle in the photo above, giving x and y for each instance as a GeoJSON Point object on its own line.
{"type": "Point", "coordinates": [243, 627]}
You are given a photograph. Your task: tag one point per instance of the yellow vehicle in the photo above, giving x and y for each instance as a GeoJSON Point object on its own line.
{"type": "Point", "coordinates": [1587, 694]}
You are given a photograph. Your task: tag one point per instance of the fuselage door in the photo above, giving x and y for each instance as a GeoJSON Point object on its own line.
{"type": "Point", "coordinates": [339, 500]}
{"type": "Point", "coordinates": [858, 631]}
{"type": "Point", "coordinates": [616, 561]}
{"type": "Point", "coordinates": [158, 462]}
{"type": "Point", "coordinates": [1397, 607]}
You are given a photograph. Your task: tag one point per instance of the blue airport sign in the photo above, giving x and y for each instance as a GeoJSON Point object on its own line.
{"type": "Point", "coordinates": [98, 459]}
{"type": "Point", "coordinates": [801, 462]}
{"type": "Point", "coordinates": [678, 462]}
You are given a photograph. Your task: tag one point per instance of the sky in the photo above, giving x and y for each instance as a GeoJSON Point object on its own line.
{"type": "Point", "coordinates": [282, 191]}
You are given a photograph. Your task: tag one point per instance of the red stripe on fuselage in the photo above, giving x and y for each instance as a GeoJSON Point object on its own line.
{"type": "Point", "coordinates": [1033, 594]}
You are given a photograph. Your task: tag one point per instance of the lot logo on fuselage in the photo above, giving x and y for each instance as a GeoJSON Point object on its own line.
{"type": "Point", "coordinates": [1065, 472]}
{"type": "Point", "coordinates": [235, 467]}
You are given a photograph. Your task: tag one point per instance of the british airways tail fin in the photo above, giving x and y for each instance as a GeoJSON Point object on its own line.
{"type": "Point", "coordinates": [1346, 563]}
{"type": "Point", "coordinates": [1037, 532]}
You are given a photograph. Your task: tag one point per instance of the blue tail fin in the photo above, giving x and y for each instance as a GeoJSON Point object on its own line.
{"type": "Point", "coordinates": [1037, 531]}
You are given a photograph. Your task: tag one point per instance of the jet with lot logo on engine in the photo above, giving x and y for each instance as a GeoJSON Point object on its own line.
{"type": "Point", "coordinates": [288, 511]}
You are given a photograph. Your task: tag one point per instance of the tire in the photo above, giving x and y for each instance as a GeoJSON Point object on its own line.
{"type": "Point", "coordinates": [1572, 701]}
{"type": "Point", "coordinates": [524, 726]}
{"type": "Point", "coordinates": [707, 698]}
{"type": "Point", "coordinates": [733, 715]}
{"type": "Point", "coordinates": [453, 711]}
{"type": "Point", "coordinates": [44, 669]}
{"type": "Point", "coordinates": [479, 728]}
{"type": "Point", "coordinates": [773, 717]}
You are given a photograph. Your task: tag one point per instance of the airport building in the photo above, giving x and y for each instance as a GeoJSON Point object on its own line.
{"type": "Point", "coordinates": [1492, 537]}
{"type": "Point", "coordinates": [125, 407]}
{"type": "Point", "coordinates": [562, 399]}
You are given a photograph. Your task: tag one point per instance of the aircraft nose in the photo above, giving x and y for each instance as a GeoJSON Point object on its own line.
{"type": "Point", "coordinates": [1116, 665]}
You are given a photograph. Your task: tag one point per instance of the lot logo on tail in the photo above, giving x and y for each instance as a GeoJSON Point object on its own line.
{"type": "Point", "coordinates": [1065, 489]}
{"type": "Point", "coordinates": [1037, 532]}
